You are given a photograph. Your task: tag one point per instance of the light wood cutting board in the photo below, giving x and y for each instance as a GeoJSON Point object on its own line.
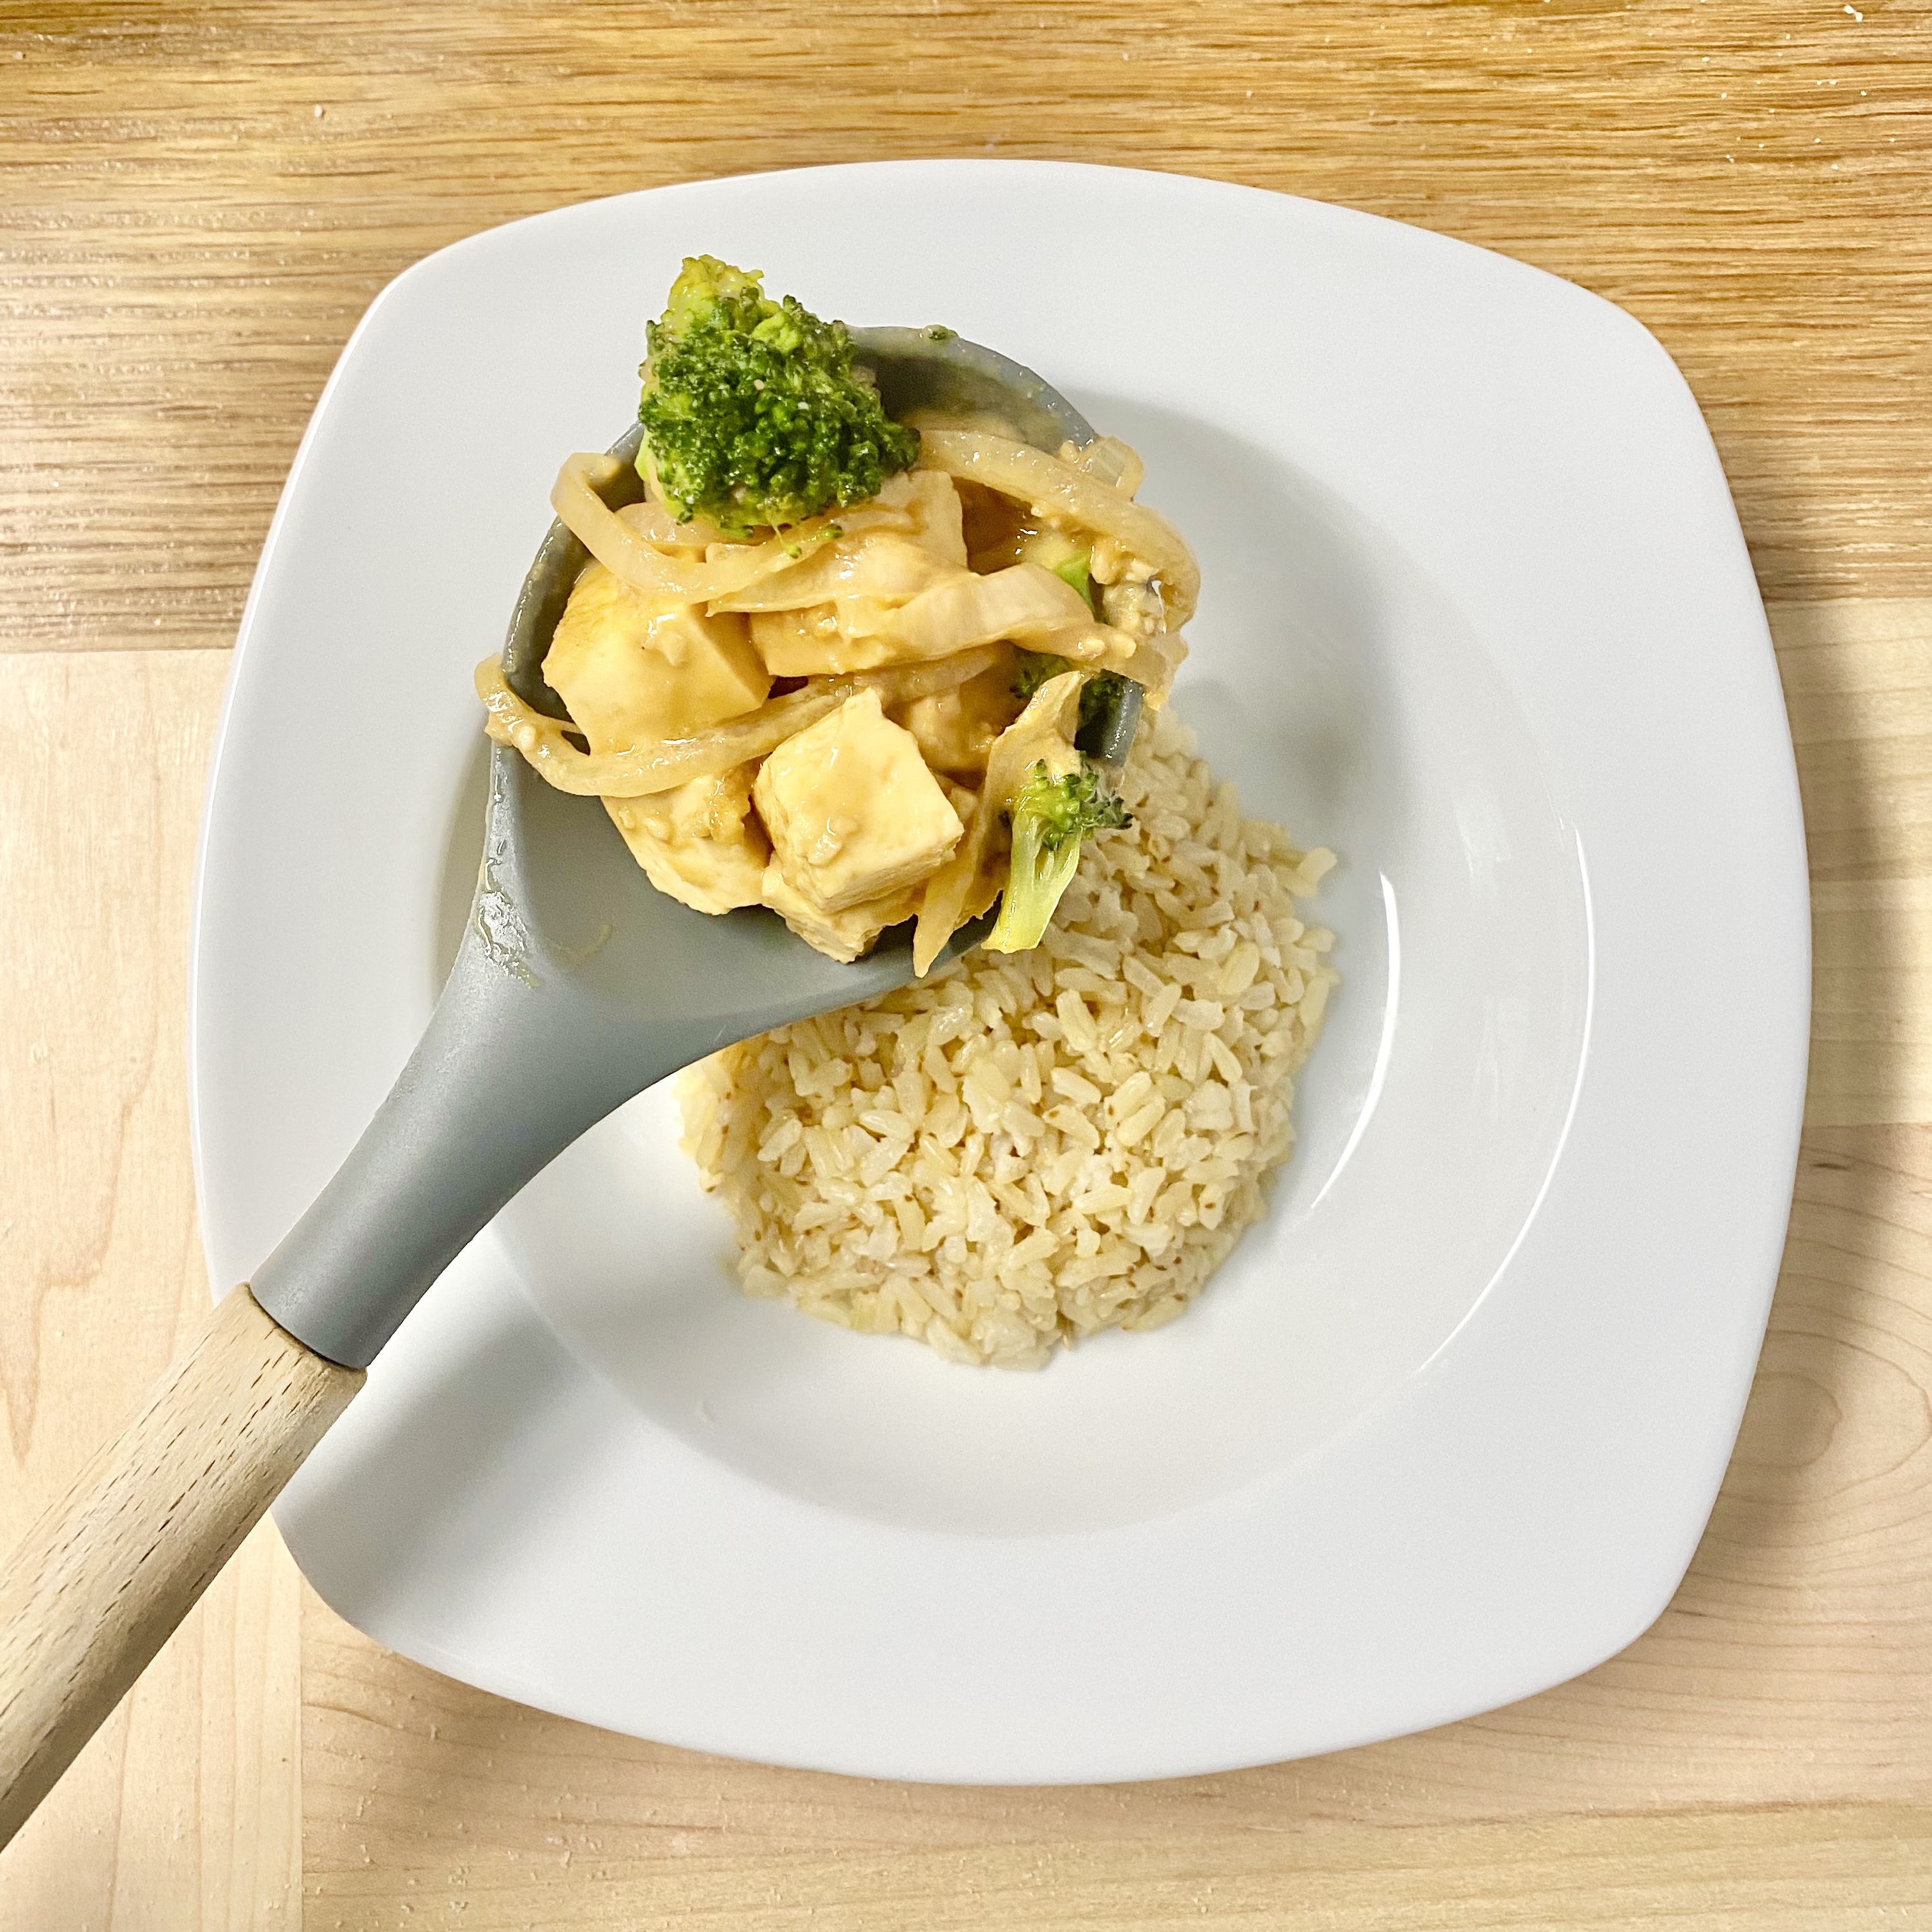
{"type": "Point", "coordinates": [199, 200]}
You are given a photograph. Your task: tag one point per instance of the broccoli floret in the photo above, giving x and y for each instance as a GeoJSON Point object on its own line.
{"type": "Point", "coordinates": [1032, 669]}
{"type": "Point", "coordinates": [1103, 698]}
{"type": "Point", "coordinates": [754, 415]}
{"type": "Point", "coordinates": [1050, 817]}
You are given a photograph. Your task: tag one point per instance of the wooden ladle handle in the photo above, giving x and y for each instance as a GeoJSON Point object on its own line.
{"type": "Point", "coordinates": [101, 1580]}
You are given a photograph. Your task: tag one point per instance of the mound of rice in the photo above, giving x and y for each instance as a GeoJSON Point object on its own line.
{"type": "Point", "coordinates": [1031, 1146]}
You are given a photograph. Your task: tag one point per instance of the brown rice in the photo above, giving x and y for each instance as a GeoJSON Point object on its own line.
{"type": "Point", "coordinates": [1031, 1146]}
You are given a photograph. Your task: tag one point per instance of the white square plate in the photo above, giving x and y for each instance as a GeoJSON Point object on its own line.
{"type": "Point", "coordinates": [1445, 1430]}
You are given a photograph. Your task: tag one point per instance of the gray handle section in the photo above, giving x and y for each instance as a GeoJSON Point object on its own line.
{"type": "Point", "coordinates": [507, 1075]}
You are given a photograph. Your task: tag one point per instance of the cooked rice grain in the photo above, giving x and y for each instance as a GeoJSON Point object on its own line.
{"type": "Point", "coordinates": [1031, 1146]}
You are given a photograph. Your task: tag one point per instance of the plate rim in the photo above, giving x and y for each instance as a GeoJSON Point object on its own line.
{"type": "Point", "coordinates": [1067, 1765]}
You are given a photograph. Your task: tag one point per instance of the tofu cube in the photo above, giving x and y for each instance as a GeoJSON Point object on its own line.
{"type": "Point", "coordinates": [810, 643]}
{"type": "Point", "coordinates": [700, 843]}
{"type": "Point", "coordinates": [956, 730]}
{"type": "Point", "coordinates": [632, 669]}
{"type": "Point", "coordinates": [852, 812]}
{"type": "Point", "coordinates": [839, 935]}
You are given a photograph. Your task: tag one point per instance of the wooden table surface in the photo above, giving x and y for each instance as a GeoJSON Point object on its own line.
{"type": "Point", "coordinates": [198, 202]}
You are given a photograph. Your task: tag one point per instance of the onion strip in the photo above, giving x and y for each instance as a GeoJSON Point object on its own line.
{"type": "Point", "coordinates": [1033, 607]}
{"type": "Point", "coordinates": [1018, 469]}
{"type": "Point", "coordinates": [878, 563]}
{"type": "Point", "coordinates": [652, 521]}
{"type": "Point", "coordinates": [662, 766]}
{"type": "Point", "coordinates": [1115, 463]}
{"type": "Point", "coordinates": [627, 553]}
{"type": "Point", "coordinates": [961, 889]}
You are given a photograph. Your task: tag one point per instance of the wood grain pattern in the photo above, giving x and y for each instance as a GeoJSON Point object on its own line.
{"type": "Point", "coordinates": [200, 198]}
{"type": "Point", "coordinates": [540, 1825]}
{"type": "Point", "coordinates": [103, 1579]}
{"type": "Point", "coordinates": [185, 1811]}
{"type": "Point", "coordinates": [1856, 685]}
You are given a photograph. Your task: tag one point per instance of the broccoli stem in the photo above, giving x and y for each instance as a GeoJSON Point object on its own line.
{"type": "Point", "coordinates": [1041, 874]}
{"type": "Point", "coordinates": [1050, 816]}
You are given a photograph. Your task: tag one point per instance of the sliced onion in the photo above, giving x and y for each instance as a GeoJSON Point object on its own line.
{"type": "Point", "coordinates": [1155, 660]}
{"type": "Point", "coordinates": [1094, 646]}
{"type": "Point", "coordinates": [1018, 469]}
{"type": "Point", "coordinates": [900, 491]}
{"type": "Point", "coordinates": [545, 741]}
{"type": "Point", "coordinates": [1108, 460]}
{"type": "Point", "coordinates": [866, 517]}
{"type": "Point", "coordinates": [1028, 605]}
{"type": "Point", "coordinates": [656, 525]}
{"type": "Point", "coordinates": [959, 614]}
{"type": "Point", "coordinates": [1023, 602]}
{"type": "Point", "coordinates": [625, 553]}
{"type": "Point", "coordinates": [1043, 732]}
{"type": "Point", "coordinates": [879, 563]}
{"type": "Point", "coordinates": [938, 517]}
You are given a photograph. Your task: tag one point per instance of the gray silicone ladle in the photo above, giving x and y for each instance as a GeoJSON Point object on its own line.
{"type": "Point", "coordinates": [576, 985]}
